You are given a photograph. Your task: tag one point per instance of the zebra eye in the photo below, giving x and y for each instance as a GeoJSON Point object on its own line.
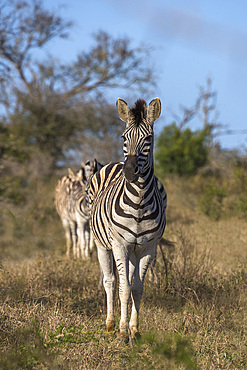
{"type": "Point", "coordinates": [149, 138]}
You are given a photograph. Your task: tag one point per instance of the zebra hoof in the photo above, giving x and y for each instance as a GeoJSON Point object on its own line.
{"type": "Point", "coordinates": [134, 333]}
{"type": "Point", "coordinates": [123, 337]}
{"type": "Point", "coordinates": [110, 326]}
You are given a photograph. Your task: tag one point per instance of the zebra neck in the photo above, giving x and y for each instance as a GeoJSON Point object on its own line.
{"type": "Point", "coordinates": [145, 178]}
{"type": "Point", "coordinates": [143, 187]}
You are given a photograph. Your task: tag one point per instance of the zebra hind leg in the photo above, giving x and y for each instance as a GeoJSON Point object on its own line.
{"type": "Point", "coordinates": [87, 240]}
{"type": "Point", "coordinates": [91, 242]}
{"type": "Point", "coordinates": [151, 273]}
{"type": "Point", "coordinates": [81, 248]}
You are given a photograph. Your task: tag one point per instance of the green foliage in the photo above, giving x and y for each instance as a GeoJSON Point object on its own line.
{"type": "Point", "coordinates": [211, 201]}
{"type": "Point", "coordinates": [14, 189]}
{"type": "Point", "coordinates": [222, 191]}
{"type": "Point", "coordinates": [28, 351]}
{"type": "Point", "coordinates": [181, 152]}
{"type": "Point", "coordinates": [242, 204]}
{"type": "Point", "coordinates": [41, 128]}
{"type": "Point", "coordinates": [11, 144]}
{"type": "Point", "coordinates": [168, 350]}
{"type": "Point", "coordinates": [240, 185]}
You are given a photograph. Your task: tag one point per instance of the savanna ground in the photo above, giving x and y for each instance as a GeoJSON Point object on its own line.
{"type": "Point", "coordinates": [193, 315]}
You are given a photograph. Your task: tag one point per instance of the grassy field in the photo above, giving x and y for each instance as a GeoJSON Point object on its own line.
{"type": "Point", "coordinates": [193, 315]}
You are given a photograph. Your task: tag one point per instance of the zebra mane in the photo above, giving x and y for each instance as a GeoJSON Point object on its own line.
{"type": "Point", "coordinates": [139, 111]}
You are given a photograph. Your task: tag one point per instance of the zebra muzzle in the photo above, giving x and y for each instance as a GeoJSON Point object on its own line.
{"type": "Point", "coordinates": [130, 168]}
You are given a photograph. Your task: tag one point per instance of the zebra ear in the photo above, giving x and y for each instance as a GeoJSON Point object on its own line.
{"type": "Point", "coordinates": [154, 109]}
{"type": "Point", "coordinates": [83, 174]}
{"type": "Point", "coordinates": [97, 165]}
{"type": "Point", "coordinates": [123, 110]}
{"type": "Point", "coordinates": [71, 173]}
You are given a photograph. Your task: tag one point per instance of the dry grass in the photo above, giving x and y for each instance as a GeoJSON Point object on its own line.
{"type": "Point", "coordinates": [193, 314]}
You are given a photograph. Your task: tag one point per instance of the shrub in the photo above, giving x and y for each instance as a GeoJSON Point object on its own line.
{"type": "Point", "coordinates": [211, 201]}
{"type": "Point", "coordinates": [240, 177]}
{"type": "Point", "coordinates": [181, 151]}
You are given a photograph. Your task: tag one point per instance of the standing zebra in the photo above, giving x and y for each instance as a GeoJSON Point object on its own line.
{"type": "Point", "coordinates": [72, 207]}
{"type": "Point", "coordinates": [128, 205]}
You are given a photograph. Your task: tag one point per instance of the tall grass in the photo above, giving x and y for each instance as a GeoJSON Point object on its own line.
{"type": "Point", "coordinates": [52, 315]}
{"type": "Point", "coordinates": [193, 313]}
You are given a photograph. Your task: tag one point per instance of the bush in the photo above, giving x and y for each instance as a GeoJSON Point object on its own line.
{"type": "Point", "coordinates": [181, 151]}
{"type": "Point", "coordinates": [240, 177]}
{"type": "Point", "coordinates": [211, 201]}
{"type": "Point", "coordinates": [222, 189]}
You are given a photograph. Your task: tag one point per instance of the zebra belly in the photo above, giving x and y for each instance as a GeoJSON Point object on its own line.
{"type": "Point", "coordinates": [127, 235]}
{"type": "Point", "coordinates": [136, 234]}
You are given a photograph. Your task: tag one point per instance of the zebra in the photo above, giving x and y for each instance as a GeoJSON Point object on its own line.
{"type": "Point", "coordinates": [72, 206]}
{"type": "Point", "coordinates": [128, 204]}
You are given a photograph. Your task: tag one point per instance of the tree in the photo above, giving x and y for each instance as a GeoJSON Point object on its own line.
{"type": "Point", "coordinates": [204, 110]}
{"type": "Point", "coordinates": [45, 101]}
{"type": "Point", "coordinates": [102, 138]}
{"type": "Point", "coordinates": [24, 26]}
{"type": "Point", "coordinates": [183, 151]}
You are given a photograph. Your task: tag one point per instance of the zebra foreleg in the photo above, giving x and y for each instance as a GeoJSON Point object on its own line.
{"type": "Point", "coordinates": [122, 264]}
{"type": "Point", "coordinates": [81, 245]}
{"type": "Point", "coordinates": [107, 266]}
{"type": "Point", "coordinates": [73, 232]}
{"type": "Point", "coordinates": [137, 290]}
{"type": "Point", "coordinates": [68, 237]}
{"type": "Point", "coordinates": [87, 240]}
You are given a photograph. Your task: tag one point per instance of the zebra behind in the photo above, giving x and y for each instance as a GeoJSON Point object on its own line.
{"type": "Point", "coordinates": [128, 205]}
{"type": "Point", "coordinates": [72, 207]}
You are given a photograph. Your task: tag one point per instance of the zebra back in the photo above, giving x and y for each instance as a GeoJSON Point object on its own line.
{"type": "Point", "coordinates": [70, 192]}
{"type": "Point", "coordinates": [69, 195]}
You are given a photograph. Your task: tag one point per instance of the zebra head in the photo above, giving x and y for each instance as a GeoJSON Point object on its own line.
{"type": "Point", "coordinates": [138, 136]}
{"type": "Point", "coordinates": [86, 171]}
{"type": "Point", "coordinates": [75, 176]}
{"type": "Point", "coordinates": [90, 168]}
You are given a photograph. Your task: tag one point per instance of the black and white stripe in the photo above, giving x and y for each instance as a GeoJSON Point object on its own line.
{"type": "Point", "coordinates": [72, 206]}
{"type": "Point", "coordinates": [128, 206]}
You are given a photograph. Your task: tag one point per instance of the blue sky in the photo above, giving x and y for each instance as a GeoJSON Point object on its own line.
{"type": "Point", "coordinates": [191, 40]}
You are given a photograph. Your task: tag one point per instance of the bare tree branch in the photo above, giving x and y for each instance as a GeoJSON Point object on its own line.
{"type": "Point", "coordinates": [24, 26]}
